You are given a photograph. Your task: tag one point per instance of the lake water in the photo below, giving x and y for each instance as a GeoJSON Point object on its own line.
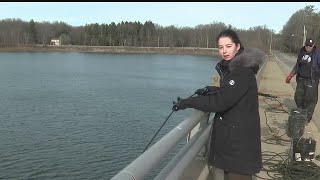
{"type": "Point", "coordinates": [67, 115]}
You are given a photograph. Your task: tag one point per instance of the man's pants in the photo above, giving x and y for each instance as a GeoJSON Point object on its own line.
{"type": "Point", "coordinates": [306, 95]}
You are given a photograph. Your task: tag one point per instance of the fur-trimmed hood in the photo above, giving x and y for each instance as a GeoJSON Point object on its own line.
{"type": "Point", "coordinates": [249, 57]}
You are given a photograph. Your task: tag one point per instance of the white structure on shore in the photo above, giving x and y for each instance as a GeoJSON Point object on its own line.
{"type": "Point", "coordinates": [55, 42]}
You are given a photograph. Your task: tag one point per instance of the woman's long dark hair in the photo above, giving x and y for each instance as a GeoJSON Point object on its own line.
{"type": "Point", "coordinates": [233, 36]}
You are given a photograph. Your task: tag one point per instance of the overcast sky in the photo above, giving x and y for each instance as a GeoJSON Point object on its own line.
{"type": "Point", "coordinates": [181, 14]}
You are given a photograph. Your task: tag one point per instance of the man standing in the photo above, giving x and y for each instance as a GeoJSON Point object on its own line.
{"type": "Point", "coordinates": [307, 69]}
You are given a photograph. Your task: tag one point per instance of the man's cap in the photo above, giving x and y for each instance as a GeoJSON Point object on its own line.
{"type": "Point", "coordinates": [309, 42]}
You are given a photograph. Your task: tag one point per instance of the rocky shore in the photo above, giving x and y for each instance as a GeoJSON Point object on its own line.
{"type": "Point", "coordinates": [115, 49]}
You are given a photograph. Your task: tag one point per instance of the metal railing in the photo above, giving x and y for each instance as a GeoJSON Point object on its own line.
{"type": "Point", "coordinates": [175, 168]}
{"type": "Point", "coordinates": [138, 168]}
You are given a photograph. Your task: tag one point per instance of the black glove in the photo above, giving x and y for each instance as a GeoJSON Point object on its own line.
{"type": "Point", "coordinates": [179, 105]}
{"type": "Point", "coordinates": [202, 91]}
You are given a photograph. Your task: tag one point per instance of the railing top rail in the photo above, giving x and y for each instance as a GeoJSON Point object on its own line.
{"type": "Point", "coordinates": [138, 168]}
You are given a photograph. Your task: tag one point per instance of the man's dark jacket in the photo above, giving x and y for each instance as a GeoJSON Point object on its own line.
{"type": "Point", "coordinates": [315, 68]}
{"type": "Point", "coordinates": [235, 141]}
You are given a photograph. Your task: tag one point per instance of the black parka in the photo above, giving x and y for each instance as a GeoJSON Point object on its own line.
{"type": "Point", "coordinates": [235, 144]}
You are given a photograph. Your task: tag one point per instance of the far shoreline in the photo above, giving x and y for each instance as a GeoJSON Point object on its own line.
{"type": "Point", "coordinates": [114, 49]}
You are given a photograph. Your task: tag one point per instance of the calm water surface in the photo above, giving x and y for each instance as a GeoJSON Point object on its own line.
{"type": "Point", "coordinates": [87, 116]}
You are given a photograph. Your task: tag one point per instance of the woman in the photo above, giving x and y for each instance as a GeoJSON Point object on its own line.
{"type": "Point", "coordinates": [235, 145]}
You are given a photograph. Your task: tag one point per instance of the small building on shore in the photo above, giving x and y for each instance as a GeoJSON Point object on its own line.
{"type": "Point", "coordinates": [55, 42]}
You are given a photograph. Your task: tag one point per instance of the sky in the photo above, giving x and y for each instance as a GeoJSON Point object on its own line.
{"type": "Point", "coordinates": [180, 14]}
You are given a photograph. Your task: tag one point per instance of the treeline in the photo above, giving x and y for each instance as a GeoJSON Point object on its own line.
{"type": "Point", "coordinates": [293, 31]}
{"type": "Point", "coordinates": [16, 32]}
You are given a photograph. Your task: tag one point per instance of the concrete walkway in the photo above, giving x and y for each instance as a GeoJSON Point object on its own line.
{"type": "Point", "coordinates": [274, 115]}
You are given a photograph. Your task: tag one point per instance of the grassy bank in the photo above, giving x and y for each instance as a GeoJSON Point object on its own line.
{"type": "Point", "coordinates": [116, 49]}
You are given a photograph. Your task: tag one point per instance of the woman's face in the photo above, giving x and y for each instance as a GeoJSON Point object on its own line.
{"type": "Point", "coordinates": [227, 48]}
